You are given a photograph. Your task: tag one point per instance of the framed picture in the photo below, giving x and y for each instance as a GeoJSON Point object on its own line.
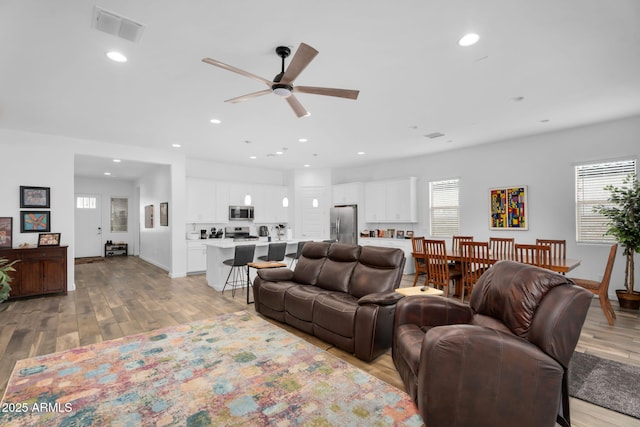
{"type": "Point", "coordinates": [508, 208]}
{"type": "Point", "coordinates": [35, 221]}
{"type": "Point", "coordinates": [49, 239]}
{"type": "Point", "coordinates": [400, 234]}
{"type": "Point", "coordinates": [119, 214]}
{"type": "Point", "coordinates": [408, 234]}
{"type": "Point", "coordinates": [34, 197]}
{"type": "Point", "coordinates": [148, 216]}
{"type": "Point", "coordinates": [164, 214]}
{"type": "Point", "coordinates": [6, 232]}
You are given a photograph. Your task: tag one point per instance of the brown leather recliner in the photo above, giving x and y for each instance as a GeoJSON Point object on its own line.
{"type": "Point", "coordinates": [502, 360]}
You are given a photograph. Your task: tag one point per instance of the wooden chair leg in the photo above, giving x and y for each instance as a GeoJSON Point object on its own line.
{"type": "Point", "coordinates": [607, 310]}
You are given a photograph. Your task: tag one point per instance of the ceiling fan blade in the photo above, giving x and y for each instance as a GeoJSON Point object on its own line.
{"type": "Point", "coordinates": [327, 91]}
{"type": "Point", "coordinates": [249, 96]}
{"type": "Point", "coordinates": [297, 107]}
{"type": "Point", "coordinates": [216, 63]}
{"type": "Point", "coordinates": [303, 56]}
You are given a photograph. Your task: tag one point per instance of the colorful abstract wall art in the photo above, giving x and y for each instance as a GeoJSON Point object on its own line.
{"type": "Point", "coordinates": [508, 208]}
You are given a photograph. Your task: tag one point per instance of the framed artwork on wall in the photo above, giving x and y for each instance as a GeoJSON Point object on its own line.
{"type": "Point", "coordinates": [35, 221]}
{"type": "Point", "coordinates": [508, 208]}
{"type": "Point", "coordinates": [164, 214]}
{"type": "Point", "coordinates": [148, 216]}
{"type": "Point", "coordinates": [49, 239]}
{"type": "Point", "coordinates": [35, 197]}
{"type": "Point", "coordinates": [6, 232]}
{"type": "Point", "coordinates": [119, 214]}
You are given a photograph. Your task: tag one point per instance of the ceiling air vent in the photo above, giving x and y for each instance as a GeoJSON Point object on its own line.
{"type": "Point", "coordinates": [116, 25]}
{"type": "Point", "coordinates": [434, 135]}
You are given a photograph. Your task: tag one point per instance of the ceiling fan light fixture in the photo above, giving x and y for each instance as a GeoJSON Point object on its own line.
{"type": "Point", "coordinates": [469, 40]}
{"type": "Point", "coordinates": [282, 90]}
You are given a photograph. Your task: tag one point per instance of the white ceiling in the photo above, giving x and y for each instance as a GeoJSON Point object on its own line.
{"type": "Point", "coordinates": [573, 61]}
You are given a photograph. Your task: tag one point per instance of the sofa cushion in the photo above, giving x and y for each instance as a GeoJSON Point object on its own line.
{"type": "Point", "coordinates": [337, 269]}
{"type": "Point", "coordinates": [511, 292]}
{"type": "Point", "coordinates": [310, 262]}
{"type": "Point", "coordinates": [379, 270]}
{"type": "Point", "coordinates": [272, 294]}
{"type": "Point", "coordinates": [298, 301]}
{"type": "Point", "coordinates": [336, 312]}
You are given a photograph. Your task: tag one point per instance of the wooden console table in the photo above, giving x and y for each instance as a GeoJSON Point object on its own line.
{"type": "Point", "coordinates": [39, 271]}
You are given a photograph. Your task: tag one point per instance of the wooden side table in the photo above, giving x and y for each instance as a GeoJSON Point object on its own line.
{"type": "Point", "coordinates": [418, 290]}
{"type": "Point", "coordinates": [259, 266]}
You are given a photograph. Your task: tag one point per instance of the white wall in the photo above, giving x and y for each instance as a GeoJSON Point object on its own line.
{"type": "Point", "coordinates": [545, 163]}
{"type": "Point", "coordinates": [107, 188]}
{"type": "Point", "coordinates": [217, 171]}
{"type": "Point", "coordinates": [155, 188]}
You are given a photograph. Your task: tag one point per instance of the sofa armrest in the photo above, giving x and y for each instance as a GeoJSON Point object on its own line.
{"type": "Point", "coordinates": [494, 370]}
{"type": "Point", "coordinates": [275, 274]}
{"type": "Point", "coordinates": [381, 298]}
{"type": "Point", "coordinates": [431, 311]}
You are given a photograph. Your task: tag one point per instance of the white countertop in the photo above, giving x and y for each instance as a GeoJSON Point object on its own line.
{"type": "Point", "coordinates": [229, 243]}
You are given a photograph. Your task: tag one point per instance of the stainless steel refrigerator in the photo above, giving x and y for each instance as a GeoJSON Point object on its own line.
{"type": "Point", "coordinates": [344, 223]}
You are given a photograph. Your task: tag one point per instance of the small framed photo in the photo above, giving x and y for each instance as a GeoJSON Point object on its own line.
{"type": "Point", "coordinates": [35, 221]}
{"type": "Point", "coordinates": [49, 239]}
{"type": "Point", "coordinates": [164, 214]}
{"type": "Point", "coordinates": [35, 197]}
{"type": "Point", "coordinates": [6, 232]}
{"type": "Point", "coordinates": [400, 234]}
{"type": "Point", "coordinates": [408, 234]}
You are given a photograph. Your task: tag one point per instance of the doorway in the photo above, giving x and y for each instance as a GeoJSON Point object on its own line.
{"type": "Point", "coordinates": [88, 226]}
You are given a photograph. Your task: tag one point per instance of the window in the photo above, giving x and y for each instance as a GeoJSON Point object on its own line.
{"type": "Point", "coordinates": [83, 202]}
{"type": "Point", "coordinates": [444, 208]}
{"type": "Point", "coordinates": [590, 182]}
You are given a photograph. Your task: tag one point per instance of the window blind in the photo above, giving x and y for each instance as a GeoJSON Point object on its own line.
{"type": "Point", "coordinates": [590, 182]}
{"type": "Point", "coordinates": [444, 208]}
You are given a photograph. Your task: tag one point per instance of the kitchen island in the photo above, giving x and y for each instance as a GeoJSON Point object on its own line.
{"type": "Point", "coordinates": [219, 250]}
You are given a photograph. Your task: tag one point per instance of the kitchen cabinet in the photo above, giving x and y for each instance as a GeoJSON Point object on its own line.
{"type": "Point", "coordinates": [201, 198]}
{"type": "Point", "coordinates": [196, 256]}
{"type": "Point", "coordinates": [39, 271]}
{"type": "Point", "coordinates": [348, 194]}
{"type": "Point", "coordinates": [391, 201]}
{"type": "Point", "coordinates": [268, 204]}
{"type": "Point", "coordinates": [238, 192]}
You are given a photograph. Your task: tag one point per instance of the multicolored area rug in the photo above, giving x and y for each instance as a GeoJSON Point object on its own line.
{"type": "Point", "coordinates": [234, 370]}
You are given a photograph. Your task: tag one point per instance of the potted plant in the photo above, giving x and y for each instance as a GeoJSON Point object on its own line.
{"type": "Point", "coordinates": [5, 268]}
{"type": "Point", "coordinates": [624, 225]}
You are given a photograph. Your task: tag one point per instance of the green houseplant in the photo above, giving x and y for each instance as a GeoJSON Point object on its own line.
{"type": "Point", "coordinates": [624, 225]}
{"type": "Point", "coordinates": [5, 268]}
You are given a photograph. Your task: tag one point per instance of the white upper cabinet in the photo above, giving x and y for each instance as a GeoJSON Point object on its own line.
{"type": "Point", "coordinates": [268, 204]}
{"type": "Point", "coordinates": [239, 192]}
{"type": "Point", "coordinates": [348, 194]}
{"type": "Point", "coordinates": [391, 201]}
{"type": "Point", "coordinates": [201, 196]}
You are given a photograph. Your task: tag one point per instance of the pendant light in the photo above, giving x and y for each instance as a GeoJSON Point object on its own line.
{"type": "Point", "coordinates": [285, 202]}
{"type": "Point", "coordinates": [247, 199]}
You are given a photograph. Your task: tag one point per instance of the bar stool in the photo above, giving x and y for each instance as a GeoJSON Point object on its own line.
{"type": "Point", "coordinates": [242, 256]}
{"type": "Point", "coordinates": [275, 252]}
{"type": "Point", "coordinates": [295, 255]}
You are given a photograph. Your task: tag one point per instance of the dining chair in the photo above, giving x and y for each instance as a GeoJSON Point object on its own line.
{"type": "Point", "coordinates": [501, 247]}
{"type": "Point", "coordinates": [419, 258]}
{"type": "Point", "coordinates": [475, 261]}
{"type": "Point", "coordinates": [438, 273]}
{"type": "Point", "coordinates": [601, 288]}
{"type": "Point", "coordinates": [456, 240]}
{"type": "Point", "coordinates": [558, 248]}
{"type": "Point", "coordinates": [533, 254]}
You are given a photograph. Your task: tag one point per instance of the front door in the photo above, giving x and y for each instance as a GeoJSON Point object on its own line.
{"type": "Point", "coordinates": [88, 226]}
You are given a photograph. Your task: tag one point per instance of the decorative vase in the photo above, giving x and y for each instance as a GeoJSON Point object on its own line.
{"type": "Point", "coordinates": [628, 300]}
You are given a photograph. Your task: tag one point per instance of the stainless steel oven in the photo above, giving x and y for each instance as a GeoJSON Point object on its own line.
{"type": "Point", "coordinates": [240, 213]}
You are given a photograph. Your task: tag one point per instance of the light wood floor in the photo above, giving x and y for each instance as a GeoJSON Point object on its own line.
{"type": "Point", "coordinates": [124, 295]}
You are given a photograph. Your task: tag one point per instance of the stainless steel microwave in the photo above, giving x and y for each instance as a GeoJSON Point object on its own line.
{"type": "Point", "coordinates": [240, 213]}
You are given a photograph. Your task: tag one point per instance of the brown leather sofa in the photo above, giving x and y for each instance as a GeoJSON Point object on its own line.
{"type": "Point", "coordinates": [502, 360]}
{"type": "Point", "coordinates": [342, 294]}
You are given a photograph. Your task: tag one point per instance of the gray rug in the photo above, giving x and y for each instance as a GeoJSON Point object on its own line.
{"type": "Point", "coordinates": [605, 383]}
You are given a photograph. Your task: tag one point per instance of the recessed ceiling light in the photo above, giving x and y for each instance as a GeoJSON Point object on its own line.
{"type": "Point", "coordinates": [469, 39]}
{"type": "Point", "coordinates": [303, 140]}
{"type": "Point", "coordinates": [215, 121]}
{"type": "Point", "coordinates": [176, 145]}
{"type": "Point", "coordinates": [116, 56]}
{"type": "Point", "coordinates": [252, 157]}
{"type": "Point", "coordinates": [279, 153]}
{"type": "Point", "coordinates": [307, 166]}
{"type": "Point", "coordinates": [107, 173]}
{"type": "Point", "coordinates": [360, 153]}
{"type": "Point", "coordinates": [116, 160]}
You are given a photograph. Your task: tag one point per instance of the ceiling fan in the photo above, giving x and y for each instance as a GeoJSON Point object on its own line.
{"type": "Point", "coordinates": [282, 84]}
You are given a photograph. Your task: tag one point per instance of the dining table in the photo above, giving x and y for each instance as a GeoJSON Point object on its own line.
{"type": "Point", "coordinates": [559, 265]}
